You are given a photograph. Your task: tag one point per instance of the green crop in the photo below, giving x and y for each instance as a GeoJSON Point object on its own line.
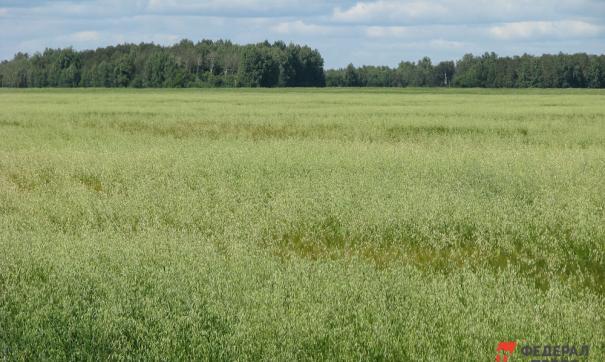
{"type": "Point", "coordinates": [319, 224]}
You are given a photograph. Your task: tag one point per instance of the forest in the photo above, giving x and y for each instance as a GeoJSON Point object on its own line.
{"type": "Point", "coordinates": [487, 71]}
{"type": "Point", "coordinates": [186, 64]}
{"type": "Point", "coordinates": [222, 63]}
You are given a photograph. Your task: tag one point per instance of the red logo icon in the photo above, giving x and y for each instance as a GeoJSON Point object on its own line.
{"type": "Point", "coordinates": [505, 349]}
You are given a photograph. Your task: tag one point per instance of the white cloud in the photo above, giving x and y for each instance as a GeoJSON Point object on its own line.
{"type": "Point", "coordinates": [85, 36]}
{"type": "Point", "coordinates": [540, 29]}
{"type": "Point", "coordinates": [239, 8]}
{"type": "Point", "coordinates": [358, 31]}
{"type": "Point", "coordinates": [445, 33]}
{"type": "Point", "coordinates": [415, 12]}
{"type": "Point", "coordinates": [299, 27]}
{"type": "Point", "coordinates": [446, 44]}
{"type": "Point", "coordinates": [389, 10]}
{"type": "Point", "coordinates": [388, 31]}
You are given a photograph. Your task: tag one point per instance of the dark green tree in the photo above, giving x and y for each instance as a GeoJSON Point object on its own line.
{"type": "Point", "coordinates": [124, 71]}
{"type": "Point", "coordinates": [351, 77]}
{"type": "Point", "coordinates": [258, 67]}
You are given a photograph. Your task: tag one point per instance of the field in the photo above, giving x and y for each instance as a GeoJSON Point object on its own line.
{"type": "Point", "coordinates": [330, 224]}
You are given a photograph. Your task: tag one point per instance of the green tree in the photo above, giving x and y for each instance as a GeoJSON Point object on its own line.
{"type": "Point", "coordinates": [444, 73]}
{"type": "Point", "coordinates": [124, 71]}
{"type": "Point", "coordinates": [258, 68]}
{"type": "Point", "coordinates": [351, 77]}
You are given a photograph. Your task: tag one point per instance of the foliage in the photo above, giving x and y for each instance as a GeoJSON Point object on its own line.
{"type": "Point", "coordinates": [224, 64]}
{"type": "Point", "coordinates": [258, 68]}
{"type": "Point", "coordinates": [204, 64]}
{"type": "Point", "coordinates": [487, 71]}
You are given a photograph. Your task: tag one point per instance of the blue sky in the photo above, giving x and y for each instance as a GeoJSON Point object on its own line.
{"type": "Point", "coordinates": [363, 32]}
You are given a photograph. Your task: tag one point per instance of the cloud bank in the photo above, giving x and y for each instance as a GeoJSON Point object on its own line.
{"type": "Point", "coordinates": [362, 32]}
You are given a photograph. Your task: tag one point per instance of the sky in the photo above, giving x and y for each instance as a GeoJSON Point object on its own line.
{"type": "Point", "coordinates": [378, 32]}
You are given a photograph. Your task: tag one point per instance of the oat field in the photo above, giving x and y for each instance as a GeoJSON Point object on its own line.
{"type": "Point", "coordinates": [317, 224]}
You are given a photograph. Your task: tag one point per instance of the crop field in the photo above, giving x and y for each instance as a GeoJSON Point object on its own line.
{"type": "Point", "coordinates": [317, 224]}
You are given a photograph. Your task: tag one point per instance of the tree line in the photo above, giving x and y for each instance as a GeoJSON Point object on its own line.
{"type": "Point", "coordinates": [488, 71]}
{"type": "Point", "coordinates": [203, 64]}
{"type": "Point", "coordinates": [224, 64]}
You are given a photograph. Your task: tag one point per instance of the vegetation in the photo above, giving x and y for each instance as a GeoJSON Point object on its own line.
{"type": "Point", "coordinates": [205, 64]}
{"type": "Point", "coordinates": [330, 224]}
{"type": "Point", "coordinates": [487, 71]}
{"type": "Point", "coordinates": [224, 64]}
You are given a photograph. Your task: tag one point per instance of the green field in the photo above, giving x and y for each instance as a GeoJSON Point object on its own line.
{"type": "Point", "coordinates": [330, 224]}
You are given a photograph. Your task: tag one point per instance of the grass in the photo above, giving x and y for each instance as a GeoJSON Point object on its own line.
{"type": "Point", "coordinates": [331, 224]}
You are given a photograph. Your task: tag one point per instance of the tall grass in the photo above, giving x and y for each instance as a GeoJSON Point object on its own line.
{"type": "Point", "coordinates": [300, 224]}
